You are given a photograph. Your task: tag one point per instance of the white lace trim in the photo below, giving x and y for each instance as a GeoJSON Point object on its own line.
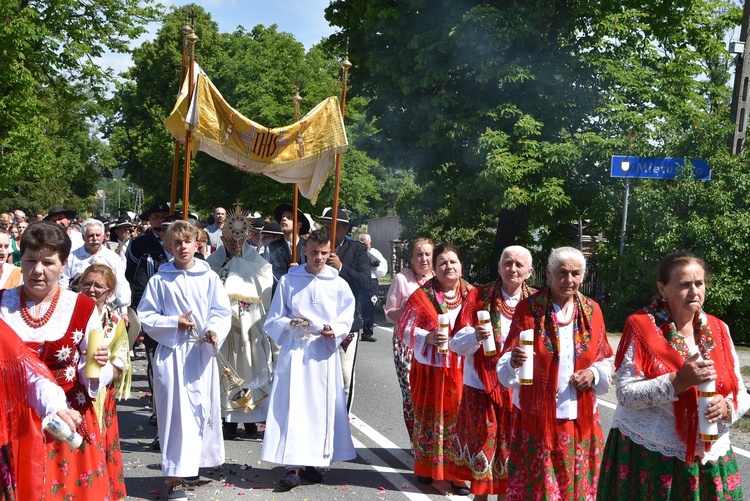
{"type": "Point", "coordinates": [54, 329]}
{"type": "Point", "coordinates": [645, 414]}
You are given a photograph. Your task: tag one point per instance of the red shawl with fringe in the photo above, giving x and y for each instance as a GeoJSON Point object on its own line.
{"type": "Point", "coordinates": [658, 349]}
{"type": "Point", "coordinates": [17, 419]}
{"type": "Point", "coordinates": [421, 311]}
{"type": "Point", "coordinates": [538, 401]}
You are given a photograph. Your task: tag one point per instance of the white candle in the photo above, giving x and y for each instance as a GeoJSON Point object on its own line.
{"type": "Point", "coordinates": [96, 338]}
{"type": "Point", "coordinates": [526, 341]}
{"type": "Point", "coordinates": [709, 432]}
{"type": "Point", "coordinates": [487, 344]}
{"type": "Point", "coordinates": [444, 323]}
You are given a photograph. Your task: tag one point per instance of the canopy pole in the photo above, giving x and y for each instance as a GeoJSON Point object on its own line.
{"type": "Point", "coordinates": [186, 30]}
{"type": "Point", "coordinates": [345, 65]}
{"type": "Point", "coordinates": [295, 189]}
{"type": "Point", "coordinates": [191, 39]}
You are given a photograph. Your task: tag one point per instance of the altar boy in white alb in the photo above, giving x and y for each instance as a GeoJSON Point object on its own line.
{"type": "Point", "coordinates": [186, 310]}
{"type": "Point", "coordinates": [311, 313]}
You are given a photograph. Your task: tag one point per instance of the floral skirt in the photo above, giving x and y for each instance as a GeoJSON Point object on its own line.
{"type": "Point", "coordinates": [479, 447]}
{"type": "Point", "coordinates": [630, 471]}
{"type": "Point", "coordinates": [569, 471]}
{"type": "Point", "coordinates": [435, 400]}
{"type": "Point", "coordinates": [402, 356]}
{"type": "Point", "coordinates": [81, 473]}
{"type": "Point", "coordinates": [111, 437]}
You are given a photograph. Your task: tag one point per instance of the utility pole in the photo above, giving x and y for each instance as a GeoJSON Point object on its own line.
{"type": "Point", "coordinates": [741, 92]}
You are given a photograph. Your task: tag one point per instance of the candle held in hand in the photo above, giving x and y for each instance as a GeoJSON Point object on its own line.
{"type": "Point", "coordinates": [488, 345]}
{"type": "Point", "coordinates": [96, 338]}
{"type": "Point", "coordinates": [444, 323]}
{"type": "Point", "coordinates": [526, 341]}
{"type": "Point", "coordinates": [709, 432]}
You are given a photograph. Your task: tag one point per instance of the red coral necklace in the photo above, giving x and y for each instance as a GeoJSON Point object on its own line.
{"type": "Point", "coordinates": [30, 319]}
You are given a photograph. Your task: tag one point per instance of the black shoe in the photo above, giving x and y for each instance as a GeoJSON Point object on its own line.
{"type": "Point", "coordinates": [424, 480]}
{"type": "Point", "coordinates": [460, 489]}
{"type": "Point", "coordinates": [229, 431]}
{"type": "Point", "coordinates": [310, 474]}
{"type": "Point", "coordinates": [152, 419]}
{"type": "Point", "coordinates": [155, 445]}
{"type": "Point", "coordinates": [368, 339]}
{"type": "Point", "coordinates": [251, 429]}
{"type": "Point", "coordinates": [176, 491]}
{"type": "Point", "coordinates": [289, 481]}
{"type": "Point", "coordinates": [192, 480]}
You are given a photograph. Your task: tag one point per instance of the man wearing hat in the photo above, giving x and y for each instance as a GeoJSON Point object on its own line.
{"type": "Point", "coordinates": [150, 241]}
{"type": "Point", "coordinates": [122, 228]}
{"type": "Point", "coordinates": [256, 226]}
{"type": "Point", "coordinates": [279, 253]}
{"type": "Point", "coordinates": [351, 261]}
{"type": "Point", "coordinates": [63, 217]}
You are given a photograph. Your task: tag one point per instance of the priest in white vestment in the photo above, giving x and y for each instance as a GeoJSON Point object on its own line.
{"type": "Point", "coordinates": [247, 350]}
{"type": "Point", "coordinates": [186, 310]}
{"type": "Point", "coordinates": [311, 313]}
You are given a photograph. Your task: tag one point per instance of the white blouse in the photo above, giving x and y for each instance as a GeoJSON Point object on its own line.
{"type": "Point", "coordinates": [645, 413]}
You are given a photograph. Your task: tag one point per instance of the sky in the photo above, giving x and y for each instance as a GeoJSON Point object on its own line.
{"type": "Point", "coordinates": [304, 19]}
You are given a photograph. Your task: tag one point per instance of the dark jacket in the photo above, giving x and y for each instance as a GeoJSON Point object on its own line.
{"type": "Point", "coordinates": [280, 257]}
{"type": "Point", "coordinates": [355, 269]}
{"type": "Point", "coordinates": [148, 243]}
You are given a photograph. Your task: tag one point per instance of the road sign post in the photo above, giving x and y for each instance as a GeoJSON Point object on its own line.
{"type": "Point", "coordinates": [630, 167]}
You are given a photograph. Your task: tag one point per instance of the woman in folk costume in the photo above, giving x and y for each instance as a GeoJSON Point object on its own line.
{"type": "Point", "coordinates": [55, 324]}
{"type": "Point", "coordinates": [436, 379]}
{"type": "Point", "coordinates": [402, 287]}
{"type": "Point", "coordinates": [98, 282]}
{"type": "Point", "coordinates": [10, 276]}
{"type": "Point", "coordinates": [28, 392]}
{"type": "Point", "coordinates": [655, 449]}
{"type": "Point", "coordinates": [555, 427]}
{"type": "Point", "coordinates": [246, 383]}
{"type": "Point", "coordinates": [481, 444]}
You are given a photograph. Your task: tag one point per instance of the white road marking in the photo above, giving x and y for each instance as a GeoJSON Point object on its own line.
{"type": "Point", "coordinates": [392, 475]}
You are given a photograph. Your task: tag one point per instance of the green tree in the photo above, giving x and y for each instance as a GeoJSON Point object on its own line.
{"type": "Point", "coordinates": [509, 113]}
{"type": "Point", "coordinates": [50, 87]}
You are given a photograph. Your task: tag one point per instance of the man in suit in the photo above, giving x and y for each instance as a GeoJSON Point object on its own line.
{"type": "Point", "coordinates": [279, 252]}
{"type": "Point", "coordinates": [150, 241]}
{"type": "Point", "coordinates": [351, 261]}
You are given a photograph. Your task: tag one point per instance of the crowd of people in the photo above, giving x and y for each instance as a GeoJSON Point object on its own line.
{"type": "Point", "coordinates": [499, 381]}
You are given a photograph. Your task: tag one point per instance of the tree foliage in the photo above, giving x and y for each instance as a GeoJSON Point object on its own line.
{"type": "Point", "coordinates": [50, 87]}
{"type": "Point", "coordinates": [509, 112]}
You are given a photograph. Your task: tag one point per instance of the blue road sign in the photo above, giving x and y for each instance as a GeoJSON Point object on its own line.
{"type": "Point", "coordinates": [657, 168]}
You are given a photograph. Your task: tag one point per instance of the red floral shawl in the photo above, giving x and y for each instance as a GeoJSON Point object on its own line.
{"type": "Point", "coordinates": [422, 309]}
{"type": "Point", "coordinates": [659, 349]}
{"type": "Point", "coordinates": [538, 402]}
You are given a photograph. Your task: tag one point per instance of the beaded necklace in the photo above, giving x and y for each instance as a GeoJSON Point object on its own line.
{"type": "Point", "coordinates": [30, 319]}
{"type": "Point", "coordinates": [556, 317]}
{"type": "Point", "coordinates": [506, 310]}
{"type": "Point", "coordinates": [454, 301]}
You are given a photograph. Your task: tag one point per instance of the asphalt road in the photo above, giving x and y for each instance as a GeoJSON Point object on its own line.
{"type": "Point", "coordinates": [381, 471]}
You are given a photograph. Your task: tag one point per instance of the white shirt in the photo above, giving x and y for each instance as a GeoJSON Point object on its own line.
{"type": "Point", "coordinates": [80, 259]}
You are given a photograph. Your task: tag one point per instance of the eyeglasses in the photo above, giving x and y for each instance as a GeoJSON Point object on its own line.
{"type": "Point", "coordinates": [95, 286]}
